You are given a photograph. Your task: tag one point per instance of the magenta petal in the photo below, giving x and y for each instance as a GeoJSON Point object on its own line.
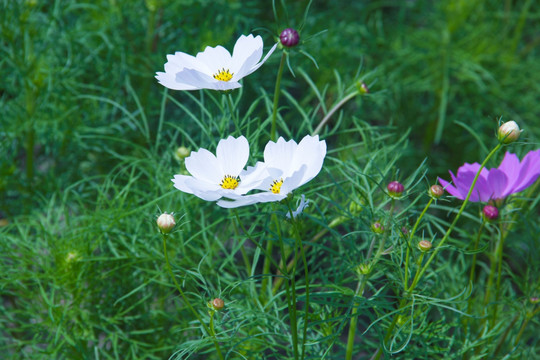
{"type": "Point", "coordinates": [529, 172]}
{"type": "Point", "coordinates": [497, 183]}
{"type": "Point", "coordinates": [450, 188]}
{"type": "Point", "coordinates": [464, 182]}
{"type": "Point", "coordinates": [510, 166]}
{"type": "Point", "coordinates": [472, 168]}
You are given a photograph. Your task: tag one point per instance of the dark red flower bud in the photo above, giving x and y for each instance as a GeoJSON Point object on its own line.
{"type": "Point", "coordinates": [289, 37]}
{"type": "Point", "coordinates": [395, 189]}
{"type": "Point", "coordinates": [490, 212]}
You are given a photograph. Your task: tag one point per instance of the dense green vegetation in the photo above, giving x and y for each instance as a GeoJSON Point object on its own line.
{"type": "Point", "coordinates": [89, 144]}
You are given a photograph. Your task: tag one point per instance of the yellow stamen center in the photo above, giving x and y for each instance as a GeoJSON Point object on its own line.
{"type": "Point", "coordinates": [223, 75]}
{"type": "Point", "coordinates": [230, 182]}
{"type": "Point", "coordinates": [276, 186]}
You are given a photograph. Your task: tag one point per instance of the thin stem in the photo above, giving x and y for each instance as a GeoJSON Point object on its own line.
{"type": "Point", "coordinates": [365, 278]}
{"type": "Point", "coordinates": [527, 319]}
{"type": "Point", "coordinates": [291, 299]}
{"type": "Point", "coordinates": [333, 110]}
{"type": "Point", "coordinates": [334, 223]}
{"type": "Point", "coordinates": [186, 301]}
{"type": "Point", "coordinates": [354, 319]}
{"type": "Point", "coordinates": [306, 276]}
{"type": "Point", "coordinates": [411, 236]}
{"type": "Point", "coordinates": [267, 255]}
{"type": "Point", "coordinates": [473, 269]}
{"type": "Point", "coordinates": [498, 259]}
{"type": "Point", "coordinates": [496, 265]}
{"type": "Point", "coordinates": [247, 263]}
{"type": "Point", "coordinates": [461, 209]}
{"type": "Point", "coordinates": [273, 130]}
{"type": "Point", "coordinates": [233, 114]}
{"type": "Point", "coordinates": [419, 274]}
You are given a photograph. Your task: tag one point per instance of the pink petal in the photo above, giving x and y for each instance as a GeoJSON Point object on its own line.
{"type": "Point", "coordinates": [529, 172]}
{"type": "Point", "coordinates": [510, 166]}
{"type": "Point", "coordinates": [497, 183]}
{"type": "Point", "coordinates": [452, 190]}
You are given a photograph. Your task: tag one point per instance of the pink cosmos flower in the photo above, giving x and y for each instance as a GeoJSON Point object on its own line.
{"type": "Point", "coordinates": [510, 177]}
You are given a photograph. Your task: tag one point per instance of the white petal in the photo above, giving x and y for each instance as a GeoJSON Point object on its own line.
{"type": "Point", "coordinates": [280, 155]}
{"type": "Point", "coordinates": [232, 154]}
{"type": "Point", "coordinates": [294, 181]}
{"type": "Point", "coordinates": [201, 189]}
{"type": "Point", "coordinates": [256, 66]}
{"type": "Point", "coordinates": [176, 63]}
{"type": "Point", "coordinates": [169, 81]}
{"type": "Point", "coordinates": [253, 178]}
{"type": "Point", "coordinates": [311, 152]}
{"type": "Point", "coordinates": [247, 52]}
{"type": "Point", "coordinates": [201, 80]}
{"type": "Point", "coordinates": [251, 199]}
{"type": "Point", "coordinates": [215, 59]}
{"type": "Point", "coordinates": [180, 61]}
{"type": "Point", "coordinates": [204, 165]}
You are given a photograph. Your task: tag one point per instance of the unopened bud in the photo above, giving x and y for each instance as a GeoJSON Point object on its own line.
{"type": "Point", "coordinates": [401, 320]}
{"type": "Point", "coordinates": [355, 208]}
{"type": "Point", "coordinates": [218, 304]}
{"type": "Point", "coordinates": [534, 300]}
{"type": "Point", "coordinates": [395, 189]}
{"type": "Point", "coordinates": [436, 191]}
{"type": "Point", "coordinates": [289, 37]}
{"type": "Point", "coordinates": [71, 256]}
{"type": "Point", "coordinates": [165, 223]}
{"type": "Point", "coordinates": [181, 153]}
{"type": "Point", "coordinates": [508, 132]}
{"type": "Point", "coordinates": [363, 269]}
{"type": "Point", "coordinates": [377, 228]}
{"type": "Point", "coordinates": [425, 245]}
{"type": "Point", "coordinates": [490, 212]}
{"type": "Point", "coordinates": [362, 88]}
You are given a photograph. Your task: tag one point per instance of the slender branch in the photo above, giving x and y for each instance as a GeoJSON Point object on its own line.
{"type": "Point", "coordinates": [333, 110]}
{"type": "Point", "coordinates": [186, 301]}
{"type": "Point", "coordinates": [273, 130]}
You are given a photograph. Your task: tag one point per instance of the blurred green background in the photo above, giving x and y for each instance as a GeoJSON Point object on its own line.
{"type": "Point", "coordinates": [86, 157]}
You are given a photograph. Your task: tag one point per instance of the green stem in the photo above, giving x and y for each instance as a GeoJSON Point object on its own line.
{"type": "Point", "coordinates": [411, 236]}
{"type": "Point", "coordinates": [354, 319]}
{"type": "Point", "coordinates": [273, 130]}
{"type": "Point", "coordinates": [186, 301]}
{"type": "Point", "coordinates": [247, 263]}
{"type": "Point", "coordinates": [365, 278]}
{"type": "Point", "coordinates": [333, 110]}
{"type": "Point", "coordinates": [233, 114]}
{"type": "Point", "coordinates": [527, 319]}
{"type": "Point", "coordinates": [504, 233]}
{"type": "Point", "coordinates": [496, 263]}
{"type": "Point", "coordinates": [291, 299]}
{"type": "Point", "coordinates": [419, 274]}
{"type": "Point", "coordinates": [461, 209]}
{"type": "Point", "coordinates": [334, 223]}
{"type": "Point", "coordinates": [473, 270]}
{"type": "Point", "coordinates": [306, 276]}
{"type": "Point", "coordinates": [267, 255]}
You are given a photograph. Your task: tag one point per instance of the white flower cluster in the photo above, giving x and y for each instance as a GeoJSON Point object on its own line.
{"type": "Point", "coordinates": [214, 68]}
{"type": "Point", "coordinates": [222, 177]}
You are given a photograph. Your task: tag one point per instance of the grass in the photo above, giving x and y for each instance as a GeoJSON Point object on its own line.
{"type": "Point", "coordinates": [89, 142]}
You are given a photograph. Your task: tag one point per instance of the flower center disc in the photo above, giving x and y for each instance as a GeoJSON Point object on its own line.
{"type": "Point", "coordinates": [223, 75]}
{"type": "Point", "coordinates": [276, 186]}
{"type": "Point", "coordinates": [230, 182]}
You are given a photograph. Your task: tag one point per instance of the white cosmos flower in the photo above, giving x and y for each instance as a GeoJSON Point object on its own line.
{"type": "Point", "coordinates": [220, 175]}
{"type": "Point", "coordinates": [287, 166]}
{"type": "Point", "coordinates": [214, 68]}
